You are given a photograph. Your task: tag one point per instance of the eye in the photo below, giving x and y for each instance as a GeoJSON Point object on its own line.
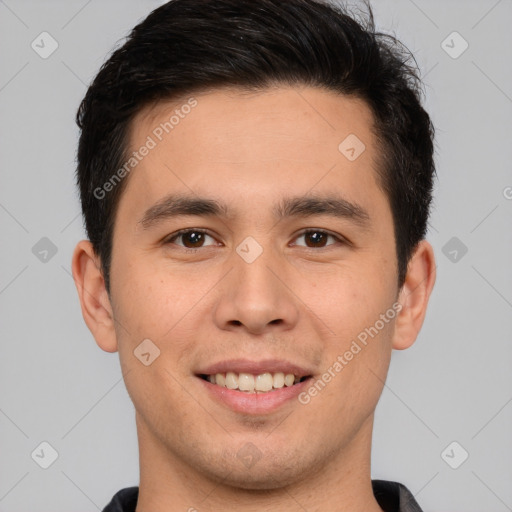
{"type": "Point", "coordinates": [191, 238]}
{"type": "Point", "coordinates": [195, 238]}
{"type": "Point", "coordinates": [316, 238]}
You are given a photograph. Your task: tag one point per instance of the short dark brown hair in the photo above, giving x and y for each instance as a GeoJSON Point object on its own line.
{"type": "Point", "coordinates": [190, 46]}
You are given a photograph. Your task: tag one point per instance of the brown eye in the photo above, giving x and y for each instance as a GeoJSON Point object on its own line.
{"type": "Point", "coordinates": [316, 238]}
{"type": "Point", "coordinates": [191, 238]}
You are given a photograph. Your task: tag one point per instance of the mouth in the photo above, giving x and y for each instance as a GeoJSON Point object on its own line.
{"type": "Point", "coordinates": [266, 382]}
{"type": "Point", "coordinates": [254, 387]}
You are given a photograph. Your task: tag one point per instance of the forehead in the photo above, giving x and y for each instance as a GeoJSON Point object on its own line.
{"type": "Point", "coordinates": [255, 144]}
{"type": "Point", "coordinates": [236, 115]}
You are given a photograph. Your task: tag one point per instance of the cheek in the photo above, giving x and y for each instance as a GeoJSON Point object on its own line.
{"type": "Point", "coordinates": [147, 299]}
{"type": "Point", "coordinates": [153, 301]}
{"type": "Point", "coordinates": [350, 298]}
{"type": "Point", "coordinates": [357, 308]}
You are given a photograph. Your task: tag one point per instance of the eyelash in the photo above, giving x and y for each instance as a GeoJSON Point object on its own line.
{"type": "Point", "coordinates": [338, 238]}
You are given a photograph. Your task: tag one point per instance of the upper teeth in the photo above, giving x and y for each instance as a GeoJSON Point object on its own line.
{"type": "Point", "coordinates": [252, 383]}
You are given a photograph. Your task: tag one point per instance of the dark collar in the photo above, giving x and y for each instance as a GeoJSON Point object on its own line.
{"type": "Point", "coordinates": [391, 497]}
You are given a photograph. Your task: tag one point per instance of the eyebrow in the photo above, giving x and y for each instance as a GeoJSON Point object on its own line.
{"type": "Point", "coordinates": [175, 205]}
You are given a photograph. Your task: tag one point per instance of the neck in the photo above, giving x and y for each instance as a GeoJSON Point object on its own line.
{"type": "Point", "coordinates": [342, 483]}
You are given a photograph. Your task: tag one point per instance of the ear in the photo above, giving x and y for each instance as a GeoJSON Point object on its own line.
{"type": "Point", "coordinates": [94, 299]}
{"type": "Point", "coordinates": [414, 296]}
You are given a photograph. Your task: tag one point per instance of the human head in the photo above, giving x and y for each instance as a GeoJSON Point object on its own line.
{"type": "Point", "coordinates": [254, 45]}
{"type": "Point", "coordinates": [254, 159]}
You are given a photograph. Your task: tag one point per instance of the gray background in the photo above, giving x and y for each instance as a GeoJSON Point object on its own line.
{"type": "Point", "coordinates": [454, 384]}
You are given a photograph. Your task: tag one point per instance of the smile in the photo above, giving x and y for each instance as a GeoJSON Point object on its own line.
{"type": "Point", "coordinates": [249, 383]}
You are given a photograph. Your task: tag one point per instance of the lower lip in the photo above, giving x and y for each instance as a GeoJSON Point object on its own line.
{"type": "Point", "coordinates": [254, 403]}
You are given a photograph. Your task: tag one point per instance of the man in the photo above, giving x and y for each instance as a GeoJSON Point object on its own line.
{"type": "Point", "coordinates": [255, 179]}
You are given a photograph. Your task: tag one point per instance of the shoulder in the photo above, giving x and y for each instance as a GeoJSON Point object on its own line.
{"type": "Point", "coordinates": [394, 497]}
{"type": "Point", "coordinates": [124, 500]}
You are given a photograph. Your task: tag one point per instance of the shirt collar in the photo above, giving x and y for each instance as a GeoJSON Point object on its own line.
{"type": "Point", "coordinates": [391, 497]}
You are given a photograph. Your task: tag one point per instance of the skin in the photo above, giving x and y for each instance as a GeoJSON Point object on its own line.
{"type": "Point", "coordinates": [296, 301]}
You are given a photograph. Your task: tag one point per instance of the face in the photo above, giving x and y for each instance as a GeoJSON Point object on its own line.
{"type": "Point", "coordinates": [250, 247]}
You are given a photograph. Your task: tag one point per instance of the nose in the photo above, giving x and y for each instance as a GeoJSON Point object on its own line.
{"type": "Point", "coordinates": [257, 295]}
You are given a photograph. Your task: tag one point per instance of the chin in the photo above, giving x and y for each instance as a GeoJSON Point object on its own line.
{"type": "Point", "coordinates": [265, 479]}
{"type": "Point", "coordinates": [266, 472]}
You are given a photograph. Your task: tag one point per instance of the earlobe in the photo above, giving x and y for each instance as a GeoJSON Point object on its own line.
{"type": "Point", "coordinates": [94, 299]}
{"type": "Point", "coordinates": [414, 296]}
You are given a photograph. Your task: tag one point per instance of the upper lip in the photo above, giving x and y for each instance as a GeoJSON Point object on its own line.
{"type": "Point", "coordinates": [255, 367]}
